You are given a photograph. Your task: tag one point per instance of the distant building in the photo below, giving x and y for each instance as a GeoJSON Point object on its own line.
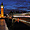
{"type": "Point", "coordinates": [7, 11]}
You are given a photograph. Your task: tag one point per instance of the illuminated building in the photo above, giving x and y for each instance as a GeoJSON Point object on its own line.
{"type": "Point", "coordinates": [2, 10]}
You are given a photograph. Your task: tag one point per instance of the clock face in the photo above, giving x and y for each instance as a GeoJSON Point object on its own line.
{"type": "Point", "coordinates": [1, 6]}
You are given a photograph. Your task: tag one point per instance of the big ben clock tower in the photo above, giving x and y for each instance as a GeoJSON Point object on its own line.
{"type": "Point", "coordinates": [2, 10]}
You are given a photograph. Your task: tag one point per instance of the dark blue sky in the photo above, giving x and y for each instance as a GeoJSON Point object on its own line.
{"type": "Point", "coordinates": [16, 4]}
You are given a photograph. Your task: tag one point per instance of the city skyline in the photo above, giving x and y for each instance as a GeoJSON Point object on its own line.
{"type": "Point", "coordinates": [16, 4]}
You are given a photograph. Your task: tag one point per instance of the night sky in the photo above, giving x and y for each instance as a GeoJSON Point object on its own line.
{"type": "Point", "coordinates": [16, 4]}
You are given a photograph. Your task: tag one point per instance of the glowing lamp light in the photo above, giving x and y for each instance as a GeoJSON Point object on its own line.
{"type": "Point", "coordinates": [1, 15]}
